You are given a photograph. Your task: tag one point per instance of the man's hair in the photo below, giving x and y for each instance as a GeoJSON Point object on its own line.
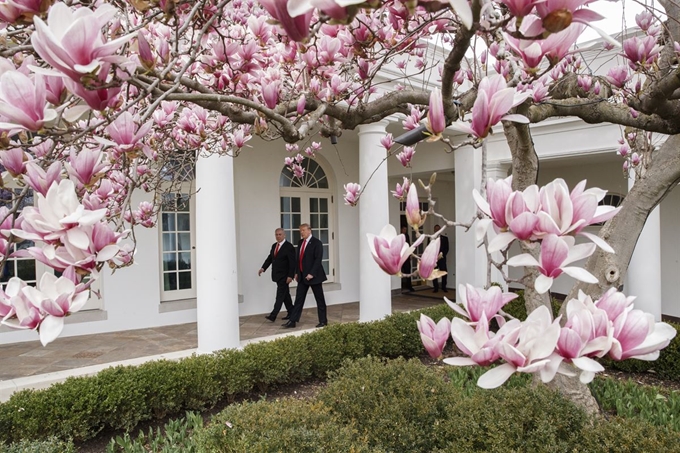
{"type": "Point", "coordinates": [278, 229]}
{"type": "Point", "coordinates": [305, 225]}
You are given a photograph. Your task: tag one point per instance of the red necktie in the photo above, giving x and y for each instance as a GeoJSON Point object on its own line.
{"type": "Point", "coordinates": [277, 249]}
{"type": "Point", "coordinates": [302, 253]}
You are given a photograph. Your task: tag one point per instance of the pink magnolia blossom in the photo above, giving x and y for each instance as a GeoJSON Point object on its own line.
{"type": "Point", "coordinates": [478, 343]}
{"type": "Point", "coordinates": [428, 261]}
{"type": "Point", "coordinates": [86, 166]}
{"type": "Point", "coordinates": [14, 161]}
{"type": "Point", "coordinates": [636, 335]}
{"type": "Point", "coordinates": [556, 15]}
{"type": "Point", "coordinates": [352, 193]}
{"type": "Point", "coordinates": [72, 42]}
{"type": "Point", "coordinates": [12, 11]}
{"type": "Point", "coordinates": [297, 28]}
{"type": "Point", "coordinates": [23, 102]}
{"type": "Point", "coordinates": [527, 351]}
{"type": "Point", "coordinates": [401, 190]}
{"type": "Point", "coordinates": [436, 120]}
{"type": "Point", "coordinates": [641, 51]}
{"type": "Point", "coordinates": [555, 47]}
{"type": "Point", "coordinates": [556, 254]}
{"type": "Point", "coordinates": [434, 336]}
{"type": "Point", "coordinates": [473, 302]}
{"type": "Point", "coordinates": [56, 298]}
{"type": "Point", "coordinates": [390, 249]}
{"type": "Point", "coordinates": [414, 215]}
{"type": "Point", "coordinates": [494, 99]}
{"type": "Point", "coordinates": [125, 133]}
{"type": "Point", "coordinates": [519, 8]}
{"type": "Point", "coordinates": [41, 180]}
{"type": "Point", "coordinates": [406, 155]}
{"type": "Point", "coordinates": [57, 216]}
{"type": "Point", "coordinates": [618, 76]}
{"type": "Point", "coordinates": [387, 141]}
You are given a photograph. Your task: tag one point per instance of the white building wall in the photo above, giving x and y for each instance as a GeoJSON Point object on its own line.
{"type": "Point", "coordinates": [131, 296]}
{"type": "Point", "coordinates": [670, 254]}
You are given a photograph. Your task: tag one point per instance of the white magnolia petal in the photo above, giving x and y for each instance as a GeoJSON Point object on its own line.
{"type": "Point", "coordinates": [597, 240]}
{"type": "Point", "coordinates": [460, 361]}
{"type": "Point", "coordinates": [496, 377]}
{"type": "Point", "coordinates": [50, 328]}
{"type": "Point", "coordinates": [524, 259]}
{"type": "Point", "coordinates": [463, 11]}
{"type": "Point", "coordinates": [587, 364]}
{"type": "Point", "coordinates": [580, 274]}
{"type": "Point", "coordinates": [543, 283]}
{"type": "Point", "coordinates": [500, 242]}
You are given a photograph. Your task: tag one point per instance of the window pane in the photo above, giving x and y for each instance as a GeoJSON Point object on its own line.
{"type": "Point", "coordinates": [169, 262]}
{"type": "Point", "coordinates": [168, 221]}
{"type": "Point", "coordinates": [169, 244]}
{"type": "Point", "coordinates": [170, 281]}
{"type": "Point", "coordinates": [324, 204]}
{"type": "Point", "coordinates": [183, 222]}
{"type": "Point", "coordinates": [185, 280]}
{"type": "Point", "coordinates": [322, 183]}
{"type": "Point", "coordinates": [285, 222]}
{"type": "Point", "coordinates": [296, 204]}
{"type": "Point", "coordinates": [24, 245]}
{"type": "Point", "coordinates": [314, 221]}
{"type": "Point", "coordinates": [324, 221]}
{"type": "Point", "coordinates": [323, 236]}
{"type": "Point", "coordinates": [326, 267]}
{"type": "Point", "coordinates": [7, 271]}
{"type": "Point", "coordinates": [185, 260]}
{"type": "Point", "coordinates": [26, 269]}
{"type": "Point", "coordinates": [296, 221]}
{"type": "Point", "coordinates": [313, 205]}
{"type": "Point", "coordinates": [325, 252]}
{"type": "Point", "coordinates": [296, 237]}
{"type": "Point", "coordinates": [184, 241]}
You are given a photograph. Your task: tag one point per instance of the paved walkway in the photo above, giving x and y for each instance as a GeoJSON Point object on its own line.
{"type": "Point", "coordinates": [30, 362]}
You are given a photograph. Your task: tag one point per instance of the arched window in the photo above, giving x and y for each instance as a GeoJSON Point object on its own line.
{"type": "Point", "coordinates": [308, 199]}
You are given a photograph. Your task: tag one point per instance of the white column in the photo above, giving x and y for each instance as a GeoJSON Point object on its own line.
{"type": "Point", "coordinates": [216, 272]}
{"type": "Point", "coordinates": [470, 260]}
{"type": "Point", "coordinates": [644, 271]}
{"type": "Point", "coordinates": [375, 298]}
{"type": "Point", "coordinates": [498, 171]}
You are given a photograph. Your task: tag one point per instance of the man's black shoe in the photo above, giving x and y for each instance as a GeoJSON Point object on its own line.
{"type": "Point", "coordinates": [435, 291]}
{"type": "Point", "coordinates": [445, 290]}
{"type": "Point", "coordinates": [321, 324]}
{"type": "Point", "coordinates": [288, 325]}
{"type": "Point", "coordinates": [270, 318]}
{"type": "Point", "coordinates": [286, 317]}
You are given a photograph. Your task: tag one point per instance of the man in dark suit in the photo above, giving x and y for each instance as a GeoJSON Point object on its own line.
{"type": "Point", "coordinates": [441, 262]}
{"type": "Point", "coordinates": [282, 259]}
{"type": "Point", "coordinates": [309, 273]}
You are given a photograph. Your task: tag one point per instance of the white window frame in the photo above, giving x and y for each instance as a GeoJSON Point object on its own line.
{"type": "Point", "coordinates": [179, 294]}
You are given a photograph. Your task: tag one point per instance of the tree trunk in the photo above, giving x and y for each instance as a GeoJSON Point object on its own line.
{"type": "Point", "coordinates": [524, 174]}
{"type": "Point", "coordinates": [623, 230]}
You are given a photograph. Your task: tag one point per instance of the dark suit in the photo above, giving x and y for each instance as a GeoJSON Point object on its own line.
{"type": "Point", "coordinates": [283, 266]}
{"type": "Point", "coordinates": [311, 264]}
{"type": "Point", "coordinates": [441, 262]}
{"type": "Point", "coordinates": [406, 282]}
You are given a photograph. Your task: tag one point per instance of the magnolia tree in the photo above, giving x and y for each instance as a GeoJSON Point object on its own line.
{"type": "Point", "coordinates": [99, 99]}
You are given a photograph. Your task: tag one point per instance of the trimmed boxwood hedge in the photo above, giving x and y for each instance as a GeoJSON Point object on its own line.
{"type": "Point", "coordinates": [121, 397]}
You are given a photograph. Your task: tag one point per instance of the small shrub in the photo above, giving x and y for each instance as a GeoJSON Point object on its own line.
{"type": "Point", "coordinates": [618, 435]}
{"type": "Point", "coordinates": [51, 445]}
{"type": "Point", "coordinates": [286, 425]}
{"type": "Point", "coordinates": [394, 403]}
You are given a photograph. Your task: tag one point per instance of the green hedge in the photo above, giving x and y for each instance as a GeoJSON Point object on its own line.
{"type": "Point", "coordinates": [371, 405]}
{"type": "Point", "coordinates": [121, 397]}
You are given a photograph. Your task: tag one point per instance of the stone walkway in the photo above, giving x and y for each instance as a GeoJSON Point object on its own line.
{"type": "Point", "coordinates": [22, 360]}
